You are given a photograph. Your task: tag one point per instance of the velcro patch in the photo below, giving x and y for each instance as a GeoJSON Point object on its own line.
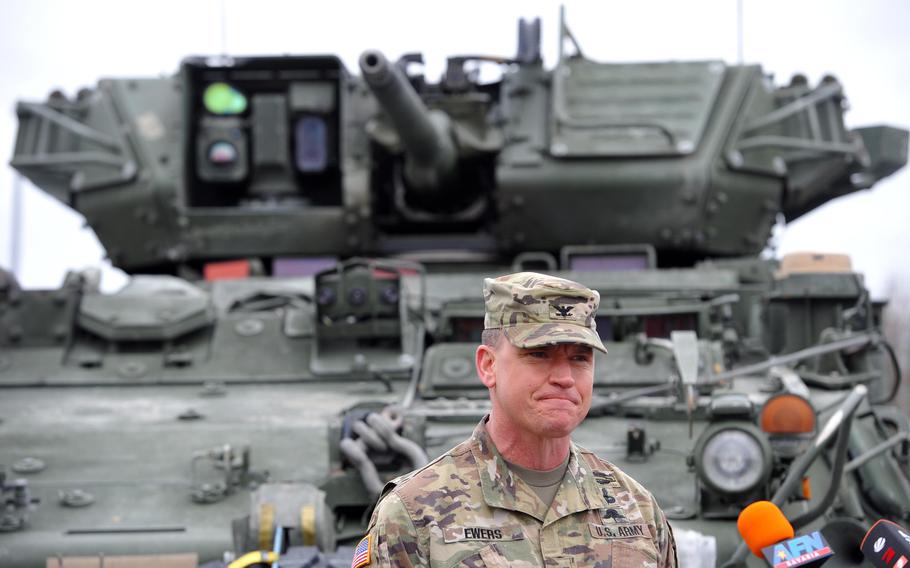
{"type": "Point", "coordinates": [362, 552]}
{"type": "Point", "coordinates": [504, 532]}
{"type": "Point", "coordinates": [629, 530]}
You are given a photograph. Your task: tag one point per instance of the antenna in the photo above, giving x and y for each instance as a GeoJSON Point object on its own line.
{"type": "Point", "coordinates": [566, 34]}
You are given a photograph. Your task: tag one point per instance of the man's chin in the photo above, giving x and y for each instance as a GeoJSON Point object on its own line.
{"type": "Point", "coordinates": [558, 424]}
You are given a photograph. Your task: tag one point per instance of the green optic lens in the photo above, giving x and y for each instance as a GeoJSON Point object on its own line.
{"type": "Point", "coordinates": [221, 98]}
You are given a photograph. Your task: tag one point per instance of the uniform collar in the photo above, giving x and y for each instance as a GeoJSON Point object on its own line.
{"type": "Point", "coordinates": [502, 489]}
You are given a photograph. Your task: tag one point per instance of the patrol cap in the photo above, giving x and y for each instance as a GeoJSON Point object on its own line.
{"type": "Point", "coordinates": [535, 309]}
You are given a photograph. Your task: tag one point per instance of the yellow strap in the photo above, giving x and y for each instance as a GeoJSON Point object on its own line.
{"type": "Point", "coordinates": [308, 525]}
{"type": "Point", "coordinates": [255, 557]}
{"type": "Point", "coordinates": [266, 525]}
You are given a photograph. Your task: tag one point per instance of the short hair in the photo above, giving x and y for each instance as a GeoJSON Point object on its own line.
{"type": "Point", "coordinates": [491, 338]}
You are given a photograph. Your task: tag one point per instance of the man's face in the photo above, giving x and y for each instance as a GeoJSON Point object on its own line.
{"type": "Point", "coordinates": [544, 391]}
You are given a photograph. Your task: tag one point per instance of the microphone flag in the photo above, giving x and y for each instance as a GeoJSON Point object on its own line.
{"type": "Point", "coordinates": [803, 550]}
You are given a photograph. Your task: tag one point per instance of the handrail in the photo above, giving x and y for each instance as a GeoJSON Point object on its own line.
{"type": "Point", "coordinates": [839, 423]}
{"type": "Point", "coordinates": [856, 340]}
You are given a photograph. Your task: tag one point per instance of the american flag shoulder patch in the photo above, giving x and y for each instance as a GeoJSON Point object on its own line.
{"type": "Point", "coordinates": [362, 552]}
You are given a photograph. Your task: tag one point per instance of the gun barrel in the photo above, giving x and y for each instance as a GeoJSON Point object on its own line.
{"type": "Point", "coordinates": [430, 154]}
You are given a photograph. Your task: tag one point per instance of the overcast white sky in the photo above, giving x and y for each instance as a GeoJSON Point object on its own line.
{"type": "Point", "coordinates": [58, 44]}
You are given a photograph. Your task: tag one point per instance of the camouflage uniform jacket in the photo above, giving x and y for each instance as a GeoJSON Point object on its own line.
{"type": "Point", "coordinates": [467, 509]}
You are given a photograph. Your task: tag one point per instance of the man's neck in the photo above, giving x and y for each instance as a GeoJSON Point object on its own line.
{"type": "Point", "coordinates": [527, 450]}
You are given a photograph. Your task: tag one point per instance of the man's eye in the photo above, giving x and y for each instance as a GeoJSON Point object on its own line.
{"type": "Point", "coordinates": [584, 356]}
{"type": "Point", "coordinates": [538, 354]}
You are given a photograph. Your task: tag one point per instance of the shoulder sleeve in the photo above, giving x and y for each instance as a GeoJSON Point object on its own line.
{"type": "Point", "coordinates": [394, 540]}
{"type": "Point", "coordinates": [666, 544]}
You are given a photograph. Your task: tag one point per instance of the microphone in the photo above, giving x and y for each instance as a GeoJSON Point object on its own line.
{"type": "Point", "coordinates": [770, 535]}
{"type": "Point", "coordinates": [887, 545]}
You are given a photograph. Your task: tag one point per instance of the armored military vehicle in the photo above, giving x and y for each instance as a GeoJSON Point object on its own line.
{"type": "Point", "coordinates": [307, 246]}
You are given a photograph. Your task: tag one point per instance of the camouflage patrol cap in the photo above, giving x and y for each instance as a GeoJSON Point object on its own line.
{"type": "Point", "coordinates": [536, 309]}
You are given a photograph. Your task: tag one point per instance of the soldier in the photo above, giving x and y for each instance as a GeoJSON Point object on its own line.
{"type": "Point", "coordinates": [518, 492]}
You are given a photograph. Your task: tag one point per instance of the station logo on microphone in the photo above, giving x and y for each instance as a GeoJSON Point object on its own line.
{"type": "Point", "coordinates": [805, 550]}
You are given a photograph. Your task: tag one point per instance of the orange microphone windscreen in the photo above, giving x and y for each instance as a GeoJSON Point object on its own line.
{"type": "Point", "coordinates": [762, 524]}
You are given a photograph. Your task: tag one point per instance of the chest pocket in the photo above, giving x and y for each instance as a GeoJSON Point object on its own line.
{"type": "Point", "coordinates": [478, 546]}
{"type": "Point", "coordinates": [628, 544]}
{"type": "Point", "coordinates": [517, 554]}
{"type": "Point", "coordinates": [487, 557]}
{"type": "Point", "coordinates": [633, 553]}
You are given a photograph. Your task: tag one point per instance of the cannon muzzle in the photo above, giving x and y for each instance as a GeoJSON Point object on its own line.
{"type": "Point", "coordinates": [430, 154]}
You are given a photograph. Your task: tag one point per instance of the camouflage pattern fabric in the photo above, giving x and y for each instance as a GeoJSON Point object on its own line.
{"type": "Point", "coordinates": [467, 509]}
{"type": "Point", "coordinates": [536, 309]}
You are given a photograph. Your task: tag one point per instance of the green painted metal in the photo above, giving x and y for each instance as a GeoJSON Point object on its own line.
{"type": "Point", "coordinates": [195, 414]}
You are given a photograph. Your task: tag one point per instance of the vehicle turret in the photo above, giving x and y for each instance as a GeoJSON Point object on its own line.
{"type": "Point", "coordinates": [279, 158]}
{"type": "Point", "coordinates": [430, 154]}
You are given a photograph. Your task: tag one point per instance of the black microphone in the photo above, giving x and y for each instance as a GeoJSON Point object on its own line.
{"type": "Point", "coordinates": [770, 536]}
{"type": "Point", "coordinates": [887, 545]}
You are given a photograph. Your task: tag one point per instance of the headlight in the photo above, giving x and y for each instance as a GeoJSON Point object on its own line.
{"type": "Point", "coordinates": [733, 458]}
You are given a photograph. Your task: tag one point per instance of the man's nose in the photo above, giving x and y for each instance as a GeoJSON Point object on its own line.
{"type": "Point", "coordinates": [561, 371]}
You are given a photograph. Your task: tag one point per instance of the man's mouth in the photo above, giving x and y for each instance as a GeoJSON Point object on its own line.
{"type": "Point", "coordinates": [560, 397]}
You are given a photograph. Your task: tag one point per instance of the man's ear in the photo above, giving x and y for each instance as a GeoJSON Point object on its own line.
{"type": "Point", "coordinates": [484, 360]}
